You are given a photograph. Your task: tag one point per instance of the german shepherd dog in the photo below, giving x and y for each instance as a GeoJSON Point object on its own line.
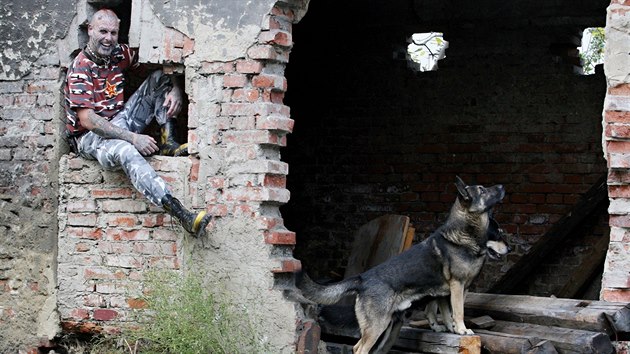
{"type": "Point", "coordinates": [444, 264]}
{"type": "Point", "coordinates": [497, 247]}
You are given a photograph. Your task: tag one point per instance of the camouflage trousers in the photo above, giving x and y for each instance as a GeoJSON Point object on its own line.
{"type": "Point", "coordinates": [141, 108]}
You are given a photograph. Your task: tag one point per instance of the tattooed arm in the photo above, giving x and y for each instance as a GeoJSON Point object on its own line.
{"type": "Point", "coordinates": [145, 144]}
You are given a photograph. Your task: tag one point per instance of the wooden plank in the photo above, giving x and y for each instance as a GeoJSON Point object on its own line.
{"type": "Point", "coordinates": [515, 276]}
{"type": "Point", "coordinates": [375, 242]}
{"type": "Point", "coordinates": [427, 341]}
{"type": "Point", "coordinates": [599, 316]}
{"type": "Point", "coordinates": [505, 343]}
{"type": "Point", "coordinates": [566, 341]}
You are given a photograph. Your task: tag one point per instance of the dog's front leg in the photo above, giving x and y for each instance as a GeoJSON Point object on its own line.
{"type": "Point", "coordinates": [457, 304]}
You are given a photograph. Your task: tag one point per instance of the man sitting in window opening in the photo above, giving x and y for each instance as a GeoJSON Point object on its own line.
{"type": "Point", "coordinates": [101, 126]}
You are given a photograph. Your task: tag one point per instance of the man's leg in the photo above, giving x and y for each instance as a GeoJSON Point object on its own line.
{"type": "Point", "coordinates": [145, 105]}
{"type": "Point", "coordinates": [113, 153]}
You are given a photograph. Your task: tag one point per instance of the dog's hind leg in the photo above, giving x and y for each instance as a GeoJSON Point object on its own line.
{"type": "Point", "coordinates": [447, 316]}
{"type": "Point", "coordinates": [431, 313]}
{"type": "Point", "coordinates": [373, 321]}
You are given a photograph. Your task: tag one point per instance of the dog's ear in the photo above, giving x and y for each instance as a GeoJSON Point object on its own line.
{"type": "Point", "coordinates": [461, 189]}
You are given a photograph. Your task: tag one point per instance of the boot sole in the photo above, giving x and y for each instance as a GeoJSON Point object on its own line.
{"type": "Point", "coordinates": [199, 225]}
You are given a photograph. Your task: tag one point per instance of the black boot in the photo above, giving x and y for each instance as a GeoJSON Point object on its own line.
{"type": "Point", "coordinates": [195, 224]}
{"type": "Point", "coordinates": [168, 145]}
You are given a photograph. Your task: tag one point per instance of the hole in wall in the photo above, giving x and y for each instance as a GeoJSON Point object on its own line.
{"type": "Point", "coordinates": [135, 79]}
{"type": "Point", "coordinates": [425, 49]}
{"type": "Point", "coordinates": [372, 137]}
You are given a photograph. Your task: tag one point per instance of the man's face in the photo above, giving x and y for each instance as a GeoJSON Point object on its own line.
{"type": "Point", "coordinates": [103, 36]}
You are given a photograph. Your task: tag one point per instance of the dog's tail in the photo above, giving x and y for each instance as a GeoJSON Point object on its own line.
{"type": "Point", "coordinates": [326, 294]}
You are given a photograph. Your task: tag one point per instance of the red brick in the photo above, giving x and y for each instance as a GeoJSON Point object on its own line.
{"type": "Point", "coordinates": [619, 220]}
{"type": "Point", "coordinates": [288, 266]}
{"type": "Point", "coordinates": [618, 131]}
{"type": "Point", "coordinates": [155, 220]}
{"type": "Point", "coordinates": [245, 95]}
{"type": "Point", "coordinates": [276, 82]}
{"type": "Point", "coordinates": [275, 181]}
{"type": "Point", "coordinates": [81, 219]}
{"type": "Point", "coordinates": [80, 314]}
{"type": "Point", "coordinates": [277, 37]}
{"type": "Point", "coordinates": [81, 327]}
{"type": "Point", "coordinates": [104, 314]}
{"type": "Point", "coordinates": [85, 233]}
{"type": "Point", "coordinates": [616, 295]}
{"type": "Point", "coordinates": [189, 46]}
{"type": "Point", "coordinates": [249, 66]}
{"type": "Point", "coordinates": [280, 238]}
{"type": "Point", "coordinates": [617, 117]}
{"type": "Point", "coordinates": [262, 52]}
{"type": "Point", "coordinates": [137, 303]}
{"type": "Point", "coordinates": [619, 191]}
{"type": "Point", "coordinates": [275, 122]}
{"type": "Point", "coordinates": [111, 193]}
{"type": "Point", "coordinates": [122, 220]}
{"type": "Point", "coordinates": [235, 80]}
{"type": "Point", "coordinates": [216, 67]}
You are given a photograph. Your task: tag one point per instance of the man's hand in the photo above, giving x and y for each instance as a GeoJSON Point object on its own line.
{"type": "Point", "coordinates": [173, 101]}
{"type": "Point", "coordinates": [145, 144]}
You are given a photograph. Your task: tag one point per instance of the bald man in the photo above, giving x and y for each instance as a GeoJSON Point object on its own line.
{"type": "Point", "coordinates": [100, 125]}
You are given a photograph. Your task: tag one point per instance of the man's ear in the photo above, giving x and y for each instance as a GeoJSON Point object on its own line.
{"type": "Point", "coordinates": [461, 189]}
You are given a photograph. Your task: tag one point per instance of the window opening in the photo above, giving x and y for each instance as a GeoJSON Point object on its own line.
{"type": "Point", "coordinates": [592, 49]}
{"type": "Point", "coordinates": [425, 49]}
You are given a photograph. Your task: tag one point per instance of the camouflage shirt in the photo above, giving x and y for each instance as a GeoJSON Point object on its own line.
{"type": "Point", "coordinates": [98, 87]}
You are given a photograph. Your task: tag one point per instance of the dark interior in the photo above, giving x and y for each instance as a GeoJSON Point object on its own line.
{"type": "Point", "coordinates": [507, 106]}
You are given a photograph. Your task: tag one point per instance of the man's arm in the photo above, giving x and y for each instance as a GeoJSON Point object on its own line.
{"type": "Point", "coordinates": [174, 98]}
{"type": "Point", "coordinates": [145, 144]}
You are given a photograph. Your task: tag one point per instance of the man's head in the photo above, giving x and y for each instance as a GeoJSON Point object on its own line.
{"type": "Point", "coordinates": [103, 32]}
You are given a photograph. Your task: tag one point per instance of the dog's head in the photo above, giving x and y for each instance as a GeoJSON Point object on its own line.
{"type": "Point", "coordinates": [496, 244]}
{"type": "Point", "coordinates": [477, 198]}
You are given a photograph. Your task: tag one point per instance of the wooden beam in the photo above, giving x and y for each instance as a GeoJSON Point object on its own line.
{"type": "Point", "coordinates": [601, 316]}
{"type": "Point", "coordinates": [564, 340]}
{"type": "Point", "coordinates": [427, 341]}
{"type": "Point", "coordinates": [515, 276]}
{"type": "Point", "coordinates": [505, 343]}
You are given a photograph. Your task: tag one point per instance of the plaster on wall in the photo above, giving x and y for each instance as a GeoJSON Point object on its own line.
{"type": "Point", "coordinates": [27, 29]}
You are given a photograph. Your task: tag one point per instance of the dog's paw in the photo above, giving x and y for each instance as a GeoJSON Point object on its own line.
{"type": "Point", "coordinates": [438, 328]}
{"type": "Point", "coordinates": [462, 330]}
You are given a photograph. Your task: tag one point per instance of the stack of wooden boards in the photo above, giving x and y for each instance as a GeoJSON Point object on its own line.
{"type": "Point", "coordinates": [514, 324]}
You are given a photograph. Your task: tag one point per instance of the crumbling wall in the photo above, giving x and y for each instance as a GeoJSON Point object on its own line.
{"type": "Point", "coordinates": [233, 55]}
{"type": "Point", "coordinates": [29, 151]}
{"type": "Point", "coordinates": [237, 123]}
{"type": "Point", "coordinates": [616, 278]}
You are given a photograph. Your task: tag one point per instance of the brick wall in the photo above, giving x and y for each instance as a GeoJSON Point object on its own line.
{"type": "Point", "coordinates": [28, 200]}
{"type": "Point", "coordinates": [109, 237]}
{"type": "Point", "coordinates": [616, 279]}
